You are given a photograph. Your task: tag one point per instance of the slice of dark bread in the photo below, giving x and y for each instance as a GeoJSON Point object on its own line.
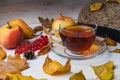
{"type": "Point", "coordinates": [107, 18]}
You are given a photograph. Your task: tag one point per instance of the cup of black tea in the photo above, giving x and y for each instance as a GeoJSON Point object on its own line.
{"type": "Point", "coordinates": [78, 38]}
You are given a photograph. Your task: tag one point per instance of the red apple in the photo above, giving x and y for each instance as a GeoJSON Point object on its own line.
{"type": "Point", "coordinates": [65, 21]}
{"type": "Point", "coordinates": [10, 36]}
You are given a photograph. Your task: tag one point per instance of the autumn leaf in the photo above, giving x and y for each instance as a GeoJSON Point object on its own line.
{"type": "Point", "coordinates": [116, 50]}
{"type": "Point", "coordinates": [19, 76]}
{"type": "Point", "coordinates": [110, 41]}
{"type": "Point", "coordinates": [47, 23]}
{"type": "Point", "coordinates": [44, 50]}
{"type": "Point", "coordinates": [104, 71]}
{"type": "Point", "coordinates": [2, 54]}
{"type": "Point", "coordinates": [38, 28]}
{"type": "Point", "coordinates": [78, 76]}
{"type": "Point", "coordinates": [46, 31]}
{"type": "Point", "coordinates": [96, 6]}
{"type": "Point", "coordinates": [53, 67]}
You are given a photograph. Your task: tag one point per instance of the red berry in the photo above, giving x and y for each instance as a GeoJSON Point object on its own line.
{"type": "Point", "coordinates": [37, 44]}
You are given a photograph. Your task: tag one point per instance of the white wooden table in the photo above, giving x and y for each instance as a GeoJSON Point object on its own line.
{"type": "Point", "coordinates": [29, 10]}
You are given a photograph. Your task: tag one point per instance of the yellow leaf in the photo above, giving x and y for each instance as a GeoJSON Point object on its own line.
{"type": "Point", "coordinates": [104, 71]}
{"type": "Point", "coordinates": [53, 67]}
{"type": "Point", "coordinates": [110, 41]}
{"type": "Point", "coordinates": [19, 77]}
{"type": "Point", "coordinates": [46, 31]}
{"type": "Point", "coordinates": [77, 76]}
{"type": "Point", "coordinates": [116, 50]}
{"type": "Point", "coordinates": [96, 6]}
{"type": "Point", "coordinates": [57, 34]}
{"type": "Point", "coordinates": [2, 54]}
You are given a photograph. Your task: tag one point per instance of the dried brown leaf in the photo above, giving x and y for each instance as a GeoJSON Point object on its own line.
{"type": "Point", "coordinates": [36, 35]}
{"type": "Point", "coordinates": [18, 62]}
{"type": "Point", "coordinates": [13, 64]}
{"type": "Point", "coordinates": [38, 28]}
{"type": "Point", "coordinates": [47, 23]}
{"type": "Point", "coordinates": [44, 50]}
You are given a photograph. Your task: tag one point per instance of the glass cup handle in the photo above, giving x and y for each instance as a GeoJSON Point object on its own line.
{"type": "Point", "coordinates": [53, 38]}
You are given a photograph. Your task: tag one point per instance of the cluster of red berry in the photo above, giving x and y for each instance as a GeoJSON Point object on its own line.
{"type": "Point", "coordinates": [37, 44]}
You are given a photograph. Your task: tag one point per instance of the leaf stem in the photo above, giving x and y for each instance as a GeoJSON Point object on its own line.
{"type": "Point", "coordinates": [62, 16]}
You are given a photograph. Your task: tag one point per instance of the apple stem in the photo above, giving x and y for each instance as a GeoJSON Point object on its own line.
{"type": "Point", "coordinates": [9, 26]}
{"type": "Point", "coordinates": [62, 16]}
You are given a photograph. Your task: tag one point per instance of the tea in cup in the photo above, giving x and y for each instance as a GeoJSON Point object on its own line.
{"type": "Point", "coordinates": [78, 38]}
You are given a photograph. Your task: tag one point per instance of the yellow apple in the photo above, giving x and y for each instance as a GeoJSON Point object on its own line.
{"type": "Point", "coordinates": [11, 36]}
{"type": "Point", "coordinates": [64, 21]}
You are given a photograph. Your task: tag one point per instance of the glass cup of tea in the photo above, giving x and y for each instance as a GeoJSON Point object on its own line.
{"type": "Point", "coordinates": [78, 39]}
